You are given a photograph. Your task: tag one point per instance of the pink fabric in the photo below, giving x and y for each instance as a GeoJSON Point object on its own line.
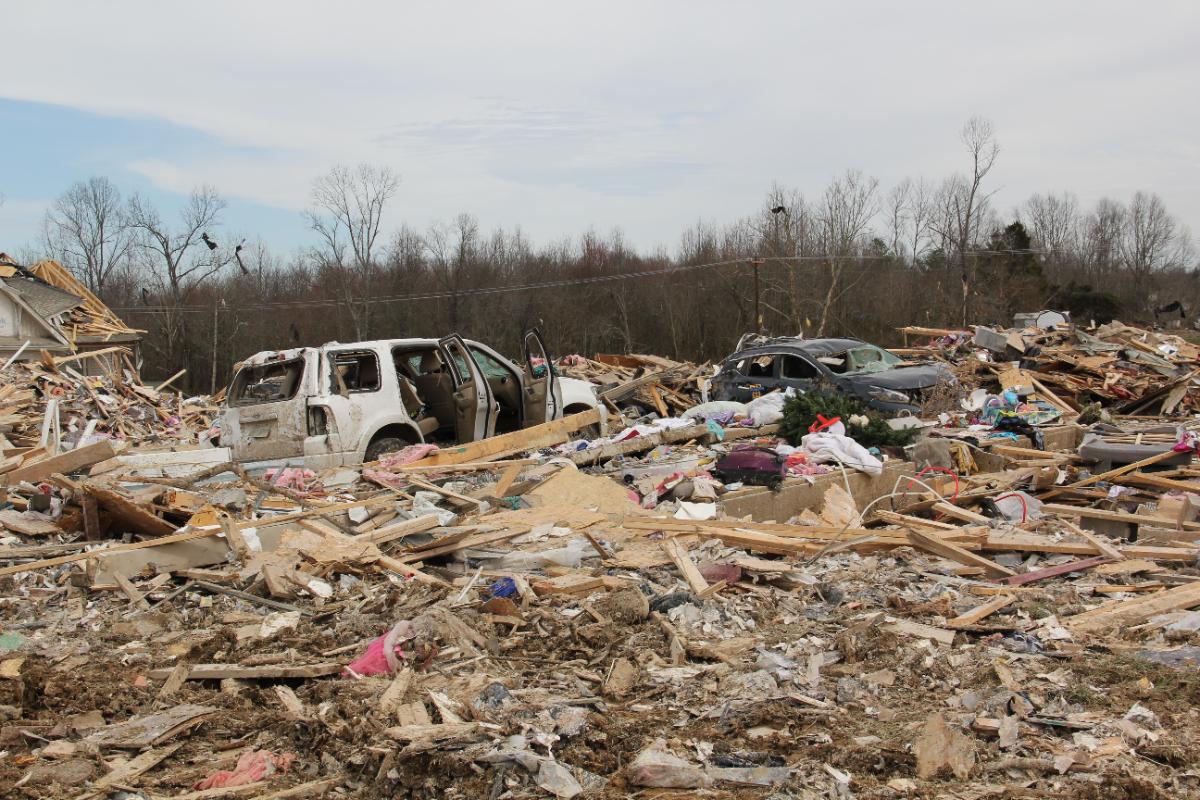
{"type": "Point", "coordinates": [385, 478]}
{"type": "Point", "coordinates": [252, 767]}
{"type": "Point", "coordinates": [299, 480]}
{"type": "Point", "coordinates": [414, 452]}
{"type": "Point", "coordinates": [383, 655]}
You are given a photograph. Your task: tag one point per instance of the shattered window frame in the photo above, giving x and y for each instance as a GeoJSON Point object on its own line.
{"type": "Point", "coordinates": [813, 371]}
{"type": "Point", "coordinates": [340, 357]}
{"type": "Point", "coordinates": [241, 385]}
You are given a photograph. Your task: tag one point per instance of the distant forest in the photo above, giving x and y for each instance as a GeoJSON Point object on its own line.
{"type": "Point", "coordinates": [851, 258]}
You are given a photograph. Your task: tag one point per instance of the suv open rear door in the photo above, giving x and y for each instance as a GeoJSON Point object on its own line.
{"type": "Point", "coordinates": [542, 399]}
{"type": "Point", "coordinates": [474, 404]}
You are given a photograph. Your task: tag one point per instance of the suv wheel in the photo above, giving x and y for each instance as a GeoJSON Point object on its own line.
{"type": "Point", "coordinates": [381, 447]}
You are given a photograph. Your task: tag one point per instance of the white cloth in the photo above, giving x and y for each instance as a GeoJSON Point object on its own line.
{"type": "Point", "coordinates": [768, 409]}
{"type": "Point", "coordinates": [825, 446]}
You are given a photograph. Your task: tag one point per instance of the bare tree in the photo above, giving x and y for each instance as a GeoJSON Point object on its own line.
{"type": "Point", "coordinates": [1100, 248]}
{"type": "Point", "coordinates": [844, 216]}
{"type": "Point", "coordinates": [1053, 223]}
{"type": "Point", "coordinates": [88, 230]}
{"type": "Point", "coordinates": [964, 201]}
{"type": "Point", "coordinates": [347, 214]}
{"type": "Point", "coordinates": [1150, 240]}
{"type": "Point", "coordinates": [179, 260]}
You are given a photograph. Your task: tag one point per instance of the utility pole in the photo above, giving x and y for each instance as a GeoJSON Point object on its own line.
{"type": "Point", "coordinates": [758, 324]}
{"type": "Point", "coordinates": [213, 386]}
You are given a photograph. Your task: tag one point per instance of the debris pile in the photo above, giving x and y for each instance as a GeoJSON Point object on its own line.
{"type": "Point", "coordinates": [599, 618]}
{"type": "Point", "coordinates": [1127, 369]}
{"type": "Point", "coordinates": [652, 383]}
{"type": "Point", "coordinates": [49, 404]}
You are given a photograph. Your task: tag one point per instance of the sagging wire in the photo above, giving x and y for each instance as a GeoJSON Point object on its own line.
{"type": "Point", "coordinates": [862, 514]}
{"type": "Point", "coordinates": [948, 471]}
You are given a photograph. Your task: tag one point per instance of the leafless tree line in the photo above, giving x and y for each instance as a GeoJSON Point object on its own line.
{"type": "Point", "coordinates": [851, 259]}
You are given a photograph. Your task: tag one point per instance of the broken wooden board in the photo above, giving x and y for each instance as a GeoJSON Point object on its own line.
{"type": "Point", "coordinates": [907, 627]}
{"type": "Point", "coordinates": [568, 584]}
{"type": "Point", "coordinates": [941, 547]}
{"type": "Point", "coordinates": [1136, 611]}
{"type": "Point", "coordinates": [66, 463]}
{"type": "Point", "coordinates": [1004, 542]}
{"type": "Point", "coordinates": [1118, 516]}
{"type": "Point", "coordinates": [216, 672]}
{"type": "Point", "coordinates": [152, 729]}
{"type": "Point", "coordinates": [979, 612]}
{"type": "Point", "coordinates": [1112, 473]}
{"type": "Point", "coordinates": [28, 523]}
{"type": "Point", "coordinates": [547, 434]}
{"type": "Point", "coordinates": [683, 562]}
{"type": "Point", "coordinates": [940, 747]}
{"type": "Point", "coordinates": [127, 516]}
{"type": "Point", "coordinates": [439, 733]}
{"type": "Point", "coordinates": [1080, 565]}
{"type": "Point", "coordinates": [126, 771]}
{"type": "Point", "coordinates": [398, 530]}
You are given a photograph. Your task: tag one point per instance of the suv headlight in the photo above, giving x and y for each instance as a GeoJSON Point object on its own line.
{"type": "Point", "coordinates": [887, 395]}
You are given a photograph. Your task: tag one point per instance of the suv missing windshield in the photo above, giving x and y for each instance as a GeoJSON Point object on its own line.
{"type": "Point", "coordinates": [883, 381]}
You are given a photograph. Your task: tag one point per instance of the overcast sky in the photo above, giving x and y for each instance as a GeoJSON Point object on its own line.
{"type": "Point", "coordinates": [557, 117]}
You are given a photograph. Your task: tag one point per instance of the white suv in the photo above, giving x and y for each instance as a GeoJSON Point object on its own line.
{"type": "Point", "coordinates": [348, 403]}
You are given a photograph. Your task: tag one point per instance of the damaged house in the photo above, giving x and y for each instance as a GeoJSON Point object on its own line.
{"type": "Point", "coordinates": [45, 308]}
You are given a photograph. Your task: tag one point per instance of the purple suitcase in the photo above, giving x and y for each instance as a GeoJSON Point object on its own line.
{"type": "Point", "coordinates": [758, 466]}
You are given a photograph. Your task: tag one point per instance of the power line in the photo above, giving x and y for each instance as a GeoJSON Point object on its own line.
{"type": "Point", "coordinates": [554, 284]}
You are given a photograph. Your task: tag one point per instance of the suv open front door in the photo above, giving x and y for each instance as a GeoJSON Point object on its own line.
{"type": "Point", "coordinates": [543, 397]}
{"type": "Point", "coordinates": [474, 404]}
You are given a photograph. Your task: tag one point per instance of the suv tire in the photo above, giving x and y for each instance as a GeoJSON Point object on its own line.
{"type": "Point", "coordinates": [382, 446]}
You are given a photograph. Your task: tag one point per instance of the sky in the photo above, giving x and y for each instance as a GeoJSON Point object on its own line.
{"type": "Point", "coordinates": [564, 117]}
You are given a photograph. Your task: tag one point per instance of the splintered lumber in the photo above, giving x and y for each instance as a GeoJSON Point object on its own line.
{"type": "Point", "coordinates": [907, 627]}
{"type": "Point", "coordinates": [906, 520]}
{"type": "Point", "coordinates": [437, 733]}
{"type": "Point", "coordinates": [547, 434]}
{"type": "Point", "coordinates": [1137, 611]}
{"type": "Point", "coordinates": [507, 479]}
{"type": "Point", "coordinates": [1036, 544]}
{"type": "Point", "coordinates": [216, 672]}
{"type": "Point", "coordinates": [712, 526]}
{"type": "Point", "coordinates": [130, 591]}
{"type": "Point", "coordinates": [126, 771]}
{"type": "Point", "coordinates": [979, 612]}
{"type": "Point", "coordinates": [126, 514]}
{"type": "Point", "coordinates": [66, 463]}
{"type": "Point", "coordinates": [182, 536]}
{"type": "Point", "coordinates": [683, 562]}
{"type": "Point", "coordinates": [233, 537]}
{"type": "Point", "coordinates": [482, 466]}
{"type": "Point", "coordinates": [393, 696]}
{"type": "Point", "coordinates": [763, 542]}
{"type": "Point", "coordinates": [438, 548]}
{"type": "Point", "coordinates": [152, 729]}
{"type": "Point", "coordinates": [1102, 547]}
{"type": "Point", "coordinates": [941, 547]}
{"type": "Point", "coordinates": [58, 362]}
{"type": "Point", "coordinates": [398, 530]}
{"type": "Point", "coordinates": [1055, 571]}
{"type": "Point", "coordinates": [444, 492]}
{"type": "Point", "coordinates": [1118, 516]}
{"type": "Point", "coordinates": [951, 510]}
{"type": "Point", "coordinates": [1026, 453]}
{"type": "Point", "coordinates": [1112, 473]}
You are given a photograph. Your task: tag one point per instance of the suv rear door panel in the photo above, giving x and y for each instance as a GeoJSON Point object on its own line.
{"type": "Point", "coordinates": [474, 403]}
